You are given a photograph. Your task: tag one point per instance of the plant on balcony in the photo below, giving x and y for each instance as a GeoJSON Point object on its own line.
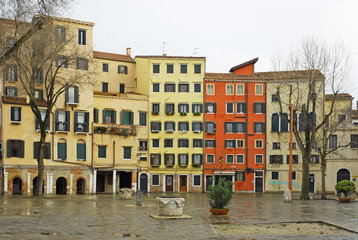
{"type": "Point", "coordinates": [183, 114]}
{"type": "Point", "coordinates": [197, 114]}
{"type": "Point", "coordinates": [155, 113]}
{"type": "Point", "coordinates": [182, 164]}
{"type": "Point", "coordinates": [196, 165]}
{"type": "Point", "coordinates": [100, 129]}
{"type": "Point", "coordinates": [169, 113]}
{"type": "Point", "coordinates": [124, 132]}
{"type": "Point", "coordinates": [133, 130]}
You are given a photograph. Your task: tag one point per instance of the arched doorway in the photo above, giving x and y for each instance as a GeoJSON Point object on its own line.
{"type": "Point", "coordinates": [17, 186]}
{"type": "Point", "coordinates": [143, 183]}
{"type": "Point", "coordinates": [80, 186]}
{"type": "Point", "coordinates": [61, 185]}
{"type": "Point", "coordinates": [34, 182]}
{"type": "Point", "coordinates": [343, 174]}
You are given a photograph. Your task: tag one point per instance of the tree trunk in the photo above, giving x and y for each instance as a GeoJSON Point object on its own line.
{"type": "Point", "coordinates": [40, 162]}
{"type": "Point", "coordinates": [305, 178]}
{"type": "Point", "coordinates": [323, 173]}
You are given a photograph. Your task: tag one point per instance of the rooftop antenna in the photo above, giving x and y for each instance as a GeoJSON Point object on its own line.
{"type": "Point", "coordinates": [164, 43]}
{"type": "Point", "coordinates": [195, 51]}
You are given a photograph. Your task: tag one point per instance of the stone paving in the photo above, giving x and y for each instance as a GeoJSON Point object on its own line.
{"type": "Point", "coordinates": [107, 217]}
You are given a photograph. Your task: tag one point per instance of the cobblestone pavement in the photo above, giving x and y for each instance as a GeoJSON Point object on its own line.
{"type": "Point", "coordinates": [107, 217]}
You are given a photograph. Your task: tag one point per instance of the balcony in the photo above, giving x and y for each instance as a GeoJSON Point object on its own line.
{"type": "Point", "coordinates": [116, 129]}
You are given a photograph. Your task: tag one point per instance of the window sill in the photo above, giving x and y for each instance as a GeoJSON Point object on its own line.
{"type": "Point", "coordinates": [66, 132]}
{"type": "Point", "coordinates": [81, 133]}
{"type": "Point", "coordinates": [71, 103]}
{"type": "Point", "coordinates": [15, 122]}
{"type": "Point", "coordinates": [61, 159]}
{"type": "Point", "coordinates": [81, 160]}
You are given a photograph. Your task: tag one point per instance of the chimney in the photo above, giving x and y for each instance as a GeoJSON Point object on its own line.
{"type": "Point", "coordinates": [164, 54]}
{"type": "Point", "coordinates": [357, 105]}
{"type": "Point", "coordinates": [129, 51]}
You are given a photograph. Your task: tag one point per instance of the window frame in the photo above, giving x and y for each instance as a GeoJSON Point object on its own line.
{"type": "Point", "coordinates": [82, 36]}
{"type": "Point", "coordinates": [230, 155]}
{"type": "Point", "coordinates": [275, 173]}
{"type": "Point", "coordinates": [104, 150]}
{"type": "Point", "coordinates": [259, 89]}
{"type": "Point", "coordinates": [13, 110]}
{"type": "Point", "coordinates": [229, 89]}
{"type": "Point", "coordinates": [257, 145]}
{"type": "Point", "coordinates": [243, 159]}
{"type": "Point", "coordinates": [262, 158]}
{"type": "Point", "coordinates": [196, 185]}
{"type": "Point", "coordinates": [227, 106]}
{"type": "Point", "coordinates": [211, 155]}
{"type": "Point", "coordinates": [210, 89]}
{"type": "Point", "coordinates": [238, 91]}
{"type": "Point", "coordinates": [156, 176]}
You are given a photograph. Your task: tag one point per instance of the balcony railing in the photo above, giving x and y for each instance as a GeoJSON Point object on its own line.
{"type": "Point", "coordinates": [116, 129]}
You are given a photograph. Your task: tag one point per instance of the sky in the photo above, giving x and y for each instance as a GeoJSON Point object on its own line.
{"type": "Point", "coordinates": [226, 32]}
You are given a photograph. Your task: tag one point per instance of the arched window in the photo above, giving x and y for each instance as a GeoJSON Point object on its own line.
{"type": "Point", "coordinates": [62, 149]}
{"type": "Point", "coordinates": [284, 123]}
{"type": "Point", "coordinates": [343, 174]}
{"type": "Point", "coordinates": [81, 150]}
{"type": "Point", "coordinates": [275, 123]}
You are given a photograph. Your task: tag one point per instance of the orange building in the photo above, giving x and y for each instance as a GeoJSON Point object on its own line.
{"type": "Point", "coordinates": [235, 123]}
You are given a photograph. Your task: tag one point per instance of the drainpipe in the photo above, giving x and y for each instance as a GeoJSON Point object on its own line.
{"type": "Point", "coordinates": [53, 137]}
{"type": "Point", "coordinates": [114, 154]}
{"type": "Point", "coordinates": [92, 159]}
{"type": "Point", "coordinates": [246, 125]}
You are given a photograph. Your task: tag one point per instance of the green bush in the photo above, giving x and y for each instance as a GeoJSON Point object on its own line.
{"type": "Point", "coordinates": [220, 194]}
{"type": "Point", "coordinates": [345, 187]}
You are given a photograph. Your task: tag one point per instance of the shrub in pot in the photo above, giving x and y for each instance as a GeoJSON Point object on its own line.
{"type": "Point", "coordinates": [346, 187]}
{"type": "Point", "coordinates": [220, 196]}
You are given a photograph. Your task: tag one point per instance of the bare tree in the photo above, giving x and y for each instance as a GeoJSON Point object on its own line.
{"type": "Point", "coordinates": [312, 68]}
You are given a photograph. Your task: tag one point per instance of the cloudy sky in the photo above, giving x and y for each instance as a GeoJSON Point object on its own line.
{"type": "Point", "coordinates": [226, 32]}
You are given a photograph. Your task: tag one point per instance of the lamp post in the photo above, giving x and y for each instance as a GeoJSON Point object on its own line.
{"type": "Point", "coordinates": [291, 157]}
{"type": "Point", "coordinates": [138, 200]}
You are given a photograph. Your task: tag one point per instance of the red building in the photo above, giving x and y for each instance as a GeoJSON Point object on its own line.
{"type": "Point", "coordinates": [235, 123]}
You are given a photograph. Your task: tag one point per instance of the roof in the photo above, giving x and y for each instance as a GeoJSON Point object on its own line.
{"type": "Point", "coordinates": [253, 61]}
{"type": "Point", "coordinates": [354, 114]}
{"type": "Point", "coordinates": [11, 22]}
{"type": "Point", "coordinates": [340, 96]}
{"type": "Point", "coordinates": [278, 75]}
{"type": "Point", "coordinates": [170, 57]}
{"type": "Point", "coordinates": [112, 56]}
{"type": "Point", "coordinates": [67, 20]}
{"type": "Point", "coordinates": [229, 77]}
{"type": "Point", "coordinates": [14, 100]}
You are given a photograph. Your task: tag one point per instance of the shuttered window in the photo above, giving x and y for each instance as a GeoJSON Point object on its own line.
{"type": "Point", "coordinates": [81, 151]}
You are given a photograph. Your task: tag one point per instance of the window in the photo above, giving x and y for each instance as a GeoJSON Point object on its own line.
{"type": "Point", "coordinates": [293, 146]}
{"type": "Point", "coordinates": [275, 123]}
{"type": "Point", "coordinates": [197, 108]}
{"type": "Point", "coordinates": [183, 87]}
{"type": "Point", "coordinates": [354, 141]}
{"type": "Point", "coordinates": [332, 141]}
{"type": "Point", "coordinates": [314, 159]}
{"type": "Point", "coordinates": [229, 158]}
{"type": "Point", "coordinates": [197, 68]}
{"type": "Point", "coordinates": [170, 68]}
{"type": "Point", "coordinates": [240, 143]}
{"type": "Point", "coordinates": [72, 95]}
{"type": "Point", "coordinates": [61, 61]}
{"type": "Point", "coordinates": [127, 152]}
{"type": "Point", "coordinates": [81, 37]}
{"type": "Point", "coordinates": [155, 180]}
{"type": "Point", "coordinates": [82, 64]}
{"type": "Point", "coordinates": [240, 107]}
{"type": "Point", "coordinates": [284, 123]}
{"type": "Point", "coordinates": [197, 143]}
{"type": "Point", "coordinates": [81, 122]}
{"type": "Point", "coordinates": [15, 114]}
{"type": "Point", "coordinates": [62, 121]}
{"type": "Point", "coordinates": [142, 119]}
{"type": "Point", "coordinates": [183, 143]}
{"type": "Point", "coordinates": [210, 143]}
{"type": "Point", "coordinates": [197, 180]}
{"type": "Point", "coordinates": [122, 69]}
{"type": "Point", "coordinates": [197, 87]}
{"type": "Point", "coordinates": [11, 91]}
{"type": "Point", "coordinates": [183, 68]}
{"type": "Point", "coordinates": [197, 127]}
{"type": "Point", "coordinates": [143, 159]}
{"type": "Point", "coordinates": [60, 34]}
{"type": "Point", "coordinates": [341, 117]}
{"type": "Point", "coordinates": [155, 126]}
{"type": "Point", "coordinates": [169, 108]}
{"type": "Point", "coordinates": [62, 149]}
{"type": "Point", "coordinates": [276, 159]}
{"type": "Point", "coordinates": [229, 89]}
{"type": "Point", "coordinates": [210, 89]}
{"type": "Point", "coordinates": [155, 159]}
{"type": "Point", "coordinates": [156, 87]}
{"type": "Point", "coordinates": [15, 148]}
{"type": "Point", "coordinates": [122, 88]}
{"type": "Point", "coordinates": [229, 107]}
{"type": "Point", "coordinates": [274, 175]}
{"type": "Point", "coordinates": [210, 127]}
{"type": "Point", "coordinates": [229, 143]}
{"type": "Point", "coordinates": [240, 158]}
{"type": "Point", "coordinates": [276, 145]}
{"type": "Point", "coordinates": [293, 175]}
{"type": "Point", "coordinates": [235, 127]}
{"type": "Point", "coordinates": [274, 98]}
{"type": "Point", "coordinates": [240, 176]}
{"type": "Point", "coordinates": [169, 87]}
{"type": "Point", "coordinates": [197, 159]}
{"type": "Point", "coordinates": [258, 89]}
{"type": "Point", "coordinates": [183, 159]}
{"type": "Point", "coordinates": [11, 73]}
{"type": "Point", "coordinates": [168, 143]}
{"type": "Point", "coordinates": [102, 151]}
{"type": "Point", "coordinates": [109, 116]}
{"type": "Point", "coordinates": [259, 107]}
{"type": "Point", "coordinates": [210, 107]}
{"type": "Point", "coordinates": [155, 143]}
{"type": "Point", "coordinates": [169, 159]}
{"type": "Point", "coordinates": [155, 108]}
{"type": "Point", "coordinates": [104, 67]}
{"type": "Point", "coordinates": [156, 68]}
{"type": "Point", "coordinates": [38, 94]}
{"type": "Point", "coordinates": [258, 143]}
{"type": "Point", "coordinates": [43, 115]}
{"type": "Point", "coordinates": [143, 145]}
{"type": "Point", "coordinates": [259, 127]}
{"type": "Point", "coordinates": [240, 89]}
{"type": "Point", "coordinates": [210, 158]}
{"type": "Point", "coordinates": [39, 76]}
{"type": "Point", "coordinates": [81, 150]}
{"type": "Point", "coordinates": [294, 159]}
{"type": "Point", "coordinates": [183, 108]}
{"type": "Point", "coordinates": [259, 159]}
{"type": "Point", "coordinates": [46, 149]}
{"type": "Point", "coordinates": [169, 126]}
{"type": "Point", "coordinates": [127, 117]}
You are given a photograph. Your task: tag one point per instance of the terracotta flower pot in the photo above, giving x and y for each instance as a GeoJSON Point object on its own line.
{"type": "Point", "coordinates": [218, 212]}
{"type": "Point", "coordinates": [344, 200]}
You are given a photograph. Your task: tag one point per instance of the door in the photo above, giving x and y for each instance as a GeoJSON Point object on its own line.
{"type": "Point", "coordinates": [100, 186]}
{"type": "Point", "coordinates": [259, 184]}
{"type": "Point", "coordinates": [208, 182]}
{"type": "Point", "coordinates": [80, 186]}
{"type": "Point", "coordinates": [169, 183]}
{"type": "Point", "coordinates": [311, 183]}
{"type": "Point", "coordinates": [17, 186]}
{"type": "Point", "coordinates": [143, 183]}
{"type": "Point", "coordinates": [183, 181]}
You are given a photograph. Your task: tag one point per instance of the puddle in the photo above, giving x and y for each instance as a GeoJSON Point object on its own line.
{"type": "Point", "coordinates": [49, 233]}
{"type": "Point", "coordinates": [131, 235]}
{"type": "Point", "coordinates": [27, 213]}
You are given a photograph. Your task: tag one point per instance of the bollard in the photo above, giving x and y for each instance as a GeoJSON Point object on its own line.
{"type": "Point", "coordinates": [287, 196]}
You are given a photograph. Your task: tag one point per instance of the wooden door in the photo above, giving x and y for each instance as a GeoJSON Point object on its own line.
{"type": "Point", "coordinates": [169, 183]}
{"type": "Point", "coordinates": [183, 181]}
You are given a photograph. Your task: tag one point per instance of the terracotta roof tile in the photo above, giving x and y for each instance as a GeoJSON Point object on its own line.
{"type": "Point", "coordinates": [112, 56]}
{"type": "Point", "coordinates": [41, 102]}
{"type": "Point", "coordinates": [339, 96]}
{"type": "Point", "coordinates": [277, 75]}
{"type": "Point", "coordinates": [244, 64]}
{"type": "Point", "coordinates": [14, 100]}
{"type": "Point", "coordinates": [229, 77]}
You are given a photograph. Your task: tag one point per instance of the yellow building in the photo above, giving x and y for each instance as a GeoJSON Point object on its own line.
{"type": "Point", "coordinates": [175, 89]}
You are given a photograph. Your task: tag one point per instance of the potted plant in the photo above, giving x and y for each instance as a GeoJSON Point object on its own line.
{"type": "Point", "coordinates": [197, 113]}
{"type": "Point", "coordinates": [346, 187]}
{"type": "Point", "coordinates": [183, 114]}
{"type": "Point", "coordinates": [220, 196]}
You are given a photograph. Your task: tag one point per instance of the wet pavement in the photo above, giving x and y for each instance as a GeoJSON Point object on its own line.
{"type": "Point", "coordinates": [107, 217]}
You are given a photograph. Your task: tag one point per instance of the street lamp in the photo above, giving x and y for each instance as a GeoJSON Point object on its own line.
{"type": "Point", "coordinates": [138, 200]}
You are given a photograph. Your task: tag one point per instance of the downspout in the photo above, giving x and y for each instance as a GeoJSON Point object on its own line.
{"type": "Point", "coordinates": [114, 154]}
{"type": "Point", "coordinates": [246, 125]}
{"type": "Point", "coordinates": [203, 180]}
{"type": "Point", "coordinates": [265, 94]}
{"type": "Point", "coordinates": [92, 159]}
{"type": "Point", "coordinates": [53, 137]}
